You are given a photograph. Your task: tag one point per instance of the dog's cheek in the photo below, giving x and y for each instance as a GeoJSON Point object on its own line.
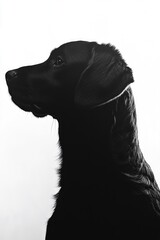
{"type": "Point", "coordinates": [69, 75]}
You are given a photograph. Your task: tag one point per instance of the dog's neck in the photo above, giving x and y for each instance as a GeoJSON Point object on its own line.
{"type": "Point", "coordinates": [92, 140]}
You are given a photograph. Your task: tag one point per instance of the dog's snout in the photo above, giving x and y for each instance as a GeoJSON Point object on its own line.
{"type": "Point", "coordinates": [11, 74]}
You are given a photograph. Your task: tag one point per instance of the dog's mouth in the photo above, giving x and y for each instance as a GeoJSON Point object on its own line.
{"type": "Point", "coordinates": [30, 107]}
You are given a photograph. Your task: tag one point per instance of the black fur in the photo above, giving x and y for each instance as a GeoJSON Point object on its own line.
{"type": "Point", "coordinates": [108, 191]}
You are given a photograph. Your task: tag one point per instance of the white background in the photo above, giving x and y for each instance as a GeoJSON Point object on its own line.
{"type": "Point", "coordinates": [28, 153]}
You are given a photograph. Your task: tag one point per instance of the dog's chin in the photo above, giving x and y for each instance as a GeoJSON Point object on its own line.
{"type": "Point", "coordinates": [38, 113]}
{"type": "Point", "coordinates": [30, 107]}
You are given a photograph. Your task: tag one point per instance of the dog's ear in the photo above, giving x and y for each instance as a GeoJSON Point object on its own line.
{"type": "Point", "coordinates": [104, 79]}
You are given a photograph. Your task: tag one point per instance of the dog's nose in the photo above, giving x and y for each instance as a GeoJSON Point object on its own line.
{"type": "Point", "coordinates": [10, 75]}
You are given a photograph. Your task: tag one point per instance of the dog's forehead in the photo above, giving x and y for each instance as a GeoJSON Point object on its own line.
{"type": "Point", "coordinates": [76, 51]}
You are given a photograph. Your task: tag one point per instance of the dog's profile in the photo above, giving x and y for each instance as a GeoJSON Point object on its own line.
{"type": "Point", "coordinates": [108, 191]}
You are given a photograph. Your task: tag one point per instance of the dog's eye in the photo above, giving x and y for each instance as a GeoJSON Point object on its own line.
{"type": "Point", "coordinates": [58, 62]}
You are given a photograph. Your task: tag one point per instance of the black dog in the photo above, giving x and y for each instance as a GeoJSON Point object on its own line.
{"type": "Point", "coordinates": [108, 191]}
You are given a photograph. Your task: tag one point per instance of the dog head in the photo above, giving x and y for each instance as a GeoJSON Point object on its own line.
{"type": "Point", "coordinates": [76, 75]}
